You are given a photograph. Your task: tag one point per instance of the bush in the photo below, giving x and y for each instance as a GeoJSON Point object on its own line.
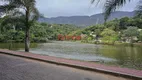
{"type": "Point", "coordinates": [140, 35]}
{"type": "Point", "coordinates": [2, 39]}
{"type": "Point", "coordinates": [39, 39]}
{"type": "Point", "coordinates": [109, 35]}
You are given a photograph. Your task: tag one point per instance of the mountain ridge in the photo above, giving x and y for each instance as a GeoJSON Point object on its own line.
{"type": "Point", "coordinates": [86, 20]}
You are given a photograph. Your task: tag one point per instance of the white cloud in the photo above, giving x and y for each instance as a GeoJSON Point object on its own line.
{"type": "Point", "coordinates": [53, 8]}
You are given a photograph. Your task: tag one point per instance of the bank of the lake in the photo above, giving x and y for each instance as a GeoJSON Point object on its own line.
{"type": "Point", "coordinates": [16, 46]}
{"type": "Point", "coordinates": [117, 43]}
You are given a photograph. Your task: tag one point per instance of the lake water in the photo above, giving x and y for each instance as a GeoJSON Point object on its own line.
{"type": "Point", "coordinates": [107, 54]}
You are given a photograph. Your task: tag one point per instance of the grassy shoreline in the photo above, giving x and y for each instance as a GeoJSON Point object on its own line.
{"type": "Point", "coordinates": [114, 43]}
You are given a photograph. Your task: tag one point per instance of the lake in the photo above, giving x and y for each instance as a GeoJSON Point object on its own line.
{"type": "Point", "coordinates": [106, 54]}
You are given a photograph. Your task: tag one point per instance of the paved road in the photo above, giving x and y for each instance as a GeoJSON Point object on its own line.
{"type": "Point", "coordinates": [16, 68]}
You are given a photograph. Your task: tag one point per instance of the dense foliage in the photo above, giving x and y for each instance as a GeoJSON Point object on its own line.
{"type": "Point", "coordinates": [40, 32]}
{"type": "Point", "coordinates": [122, 30]}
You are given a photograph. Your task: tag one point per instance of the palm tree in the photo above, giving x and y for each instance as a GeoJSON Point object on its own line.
{"type": "Point", "coordinates": [112, 5]}
{"type": "Point", "coordinates": [139, 9]}
{"type": "Point", "coordinates": [30, 14]}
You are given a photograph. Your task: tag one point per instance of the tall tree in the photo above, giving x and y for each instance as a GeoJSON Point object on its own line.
{"type": "Point", "coordinates": [112, 5]}
{"type": "Point", "coordinates": [139, 10]}
{"type": "Point", "coordinates": [30, 14]}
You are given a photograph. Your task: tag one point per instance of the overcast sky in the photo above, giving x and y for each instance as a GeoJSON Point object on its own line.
{"type": "Point", "coordinates": [54, 8]}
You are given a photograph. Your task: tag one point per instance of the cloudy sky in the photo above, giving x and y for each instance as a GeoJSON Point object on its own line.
{"type": "Point", "coordinates": [54, 8]}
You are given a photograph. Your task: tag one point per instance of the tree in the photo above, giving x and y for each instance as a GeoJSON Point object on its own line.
{"type": "Point", "coordinates": [30, 15]}
{"type": "Point", "coordinates": [109, 35]}
{"type": "Point", "coordinates": [139, 10]}
{"type": "Point", "coordinates": [137, 21]}
{"type": "Point", "coordinates": [131, 32]}
{"type": "Point", "coordinates": [112, 5]}
{"type": "Point", "coordinates": [114, 25]}
{"type": "Point", "coordinates": [123, 23]}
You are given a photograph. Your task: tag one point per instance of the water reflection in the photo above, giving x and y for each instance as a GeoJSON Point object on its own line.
{"type": "Point", "coordinates": [72, 50]}
{"type": "Point", "coordinates": [126, 56]}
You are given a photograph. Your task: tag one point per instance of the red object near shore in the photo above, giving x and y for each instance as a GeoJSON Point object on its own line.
{"type": "Point", "coordinates": [66, 37]}
{"type": "Point", "coordinates": [78, 37]}
{"type": "Point", "coordinates": [60, 37]}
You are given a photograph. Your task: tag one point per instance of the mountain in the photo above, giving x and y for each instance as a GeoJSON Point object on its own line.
{"type": "Point", "coordinates": [86, 20]}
